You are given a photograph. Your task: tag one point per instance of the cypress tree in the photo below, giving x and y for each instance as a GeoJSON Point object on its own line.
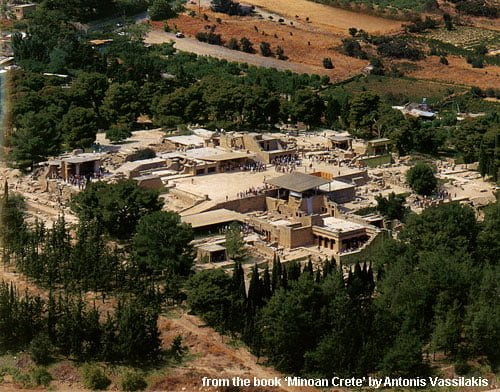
{"type": "Point", "coordinates": [318, 276]}
{"type": "Point", "coordinates": [255, 292]}
{"type": "Point", "coordinates": [293, 271]}
{"type": "Point", "coordinates": [276, 273]}
{"type": "Point", "coordinates": [369, 279]}
{"type": "Point", "coordinates": [333, 263]}
{"type": "Point", "coordinates": [309, 268]}
{"type": "Point", "coordinates": [238, 280]}
{"type": "Point", "coordinates": [284, 278]}
{"type": "Point", "coordinates": [266, 282]}
{"type": "Point", "coordinates": [326, 268]}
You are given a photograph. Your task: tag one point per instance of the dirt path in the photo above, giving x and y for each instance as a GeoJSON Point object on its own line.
{"type": "Point", "coordinates": [194, 46]}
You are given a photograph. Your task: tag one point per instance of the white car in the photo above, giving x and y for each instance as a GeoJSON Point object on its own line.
{"type": "Point", "coordinates": [179, 35]}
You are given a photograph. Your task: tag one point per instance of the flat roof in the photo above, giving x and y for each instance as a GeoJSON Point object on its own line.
{"type": "Point", "coordinates": [129, 166]}
{"type": "Point", "coordinates": [203, 152]}
{"type": "Point", "coordinates": [204, 133]}
{"type": "Point", "coordinates": [336, 138]}
{"type": "Point", "coordinates": [82, 158]}
{"type": "Point", "coordinates": [336, 185]}
{"type": "Point", "coordinates": [297, 182]}
{"type": "Point", "coordinates": [228, 156]}
{"type": "Point", "coordinates": [147, 177]}
{"type": "Point", "coordinates": [378, 141]}
{"type": "Point", "coordinates": [186, 140]}
{"type": "Point", "coordinates": [212, 247]}
{"type": "Point", "coordinates": [213, 217]}
{"type": "Point", "coordinates": [343, 225]}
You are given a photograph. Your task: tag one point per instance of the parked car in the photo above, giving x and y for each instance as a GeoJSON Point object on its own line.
{"type": "Point", "coordinates": [179, 35]}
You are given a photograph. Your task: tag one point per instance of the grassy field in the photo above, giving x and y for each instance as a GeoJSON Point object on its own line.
{"type": "Point", "coordinates": [398, 91]}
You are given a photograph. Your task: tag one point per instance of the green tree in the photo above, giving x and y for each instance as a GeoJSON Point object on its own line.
{"type": "Point", "coordinates": [364, 112]}
{"type": "Point", "coordinates": [235, 244]}
{"type": "Point", "coordinates": [137, 334]}
{"type": "Point", "coordinates": [79, 127]}
{"type": "Point", "coordinates": [209, 294]}
{"type": "Point", "coordinates": [14, 232]}
{"type": "Point", "coordinates": [288, 325]}
{"type": "Point", "coordinates": [120, 103]}
{"type": "Point", "coordinates": [436, 227]}
{"type": "Point", "coordinates": [161, 10]}
{"type": "Point", "coordinates": [118, 207]}
{"type": "Point", "coordinates": [482, 320]}
{"type": "Point", "coordinates": [88, 90]}
{"type": "Point", "coordinates": [306, 106]}
{"type": "Point", "coordinates": [404, 358]}
{"type": "Point", "coordinates": [421, 179]}
{"type": "Point", "coordinates": [489, 234]}
{"type": "Point", "coordinates": [489, 156]}
{"type": "Point", "coordinates": [392, 207]}
{"type": "Point", "coordinates": [161, 244]}
{"type": "Point", "coordinates": [36, 138]}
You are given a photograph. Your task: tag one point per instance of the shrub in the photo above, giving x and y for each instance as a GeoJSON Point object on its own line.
{"type": "Point", "coordinates": [41, 349]}
{"type": "Point", "coordinates": [352, 48]}
{"type": "Point", "coordinates": [177, 350]}
{"type": "Point", "coordinates": [210, 37]}
{"type": "Point", "coordinates": [118, 132]}
{"type": "Point", "coordinates": [94, 378]}
{"type": "Point", "coordinates": [280, 53]}
{"type": "Point", "coordinates": [400, 49]}
{"type": "Point", "coordinates": [233, 44]}
{"type": "Point", "coordinates": [265, 49]}
{"type": "Point", "coordinates": [246, 45]}
{"type": "Point", "coordinates": [327, 63]}
{"type": "Point", "coordinates": [41, 376]}
{"type": "Point", "coordinates": [443, 60]}
{"type": "Point", "coordinates": [132, 381]}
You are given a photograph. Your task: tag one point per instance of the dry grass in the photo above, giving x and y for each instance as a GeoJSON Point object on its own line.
{"type": "Point", "coordinates": [457, 72]}
{"type": "Point", "coordinates": [328, 18]}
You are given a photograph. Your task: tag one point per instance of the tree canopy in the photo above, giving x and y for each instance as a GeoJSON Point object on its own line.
{"type": "Point", "coordinates": [118, 207]}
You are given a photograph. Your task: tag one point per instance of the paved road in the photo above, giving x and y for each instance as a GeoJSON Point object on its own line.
{"type": "Point", "coordinates": [201, 48]}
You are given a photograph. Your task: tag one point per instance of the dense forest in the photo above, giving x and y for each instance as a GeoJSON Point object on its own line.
{"type": "Point", "coordinates": [436, 289]}
{"type": "Point", "coordinates": [142, 267]}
